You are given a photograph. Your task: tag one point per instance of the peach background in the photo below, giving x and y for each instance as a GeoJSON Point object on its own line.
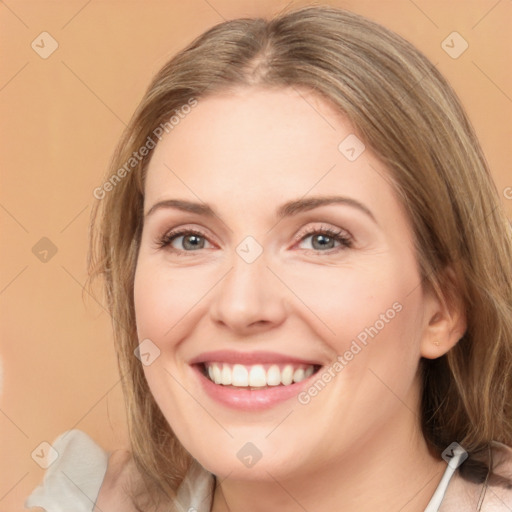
{"type": "Point", "coordinates": [60, 119]}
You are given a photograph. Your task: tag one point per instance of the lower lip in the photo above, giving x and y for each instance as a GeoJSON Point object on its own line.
{"type": "Point", "coordinates": [250, 399]}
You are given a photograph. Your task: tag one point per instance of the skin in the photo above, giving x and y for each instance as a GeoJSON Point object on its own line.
{"type": "Point", "coordinates": [357, 445]}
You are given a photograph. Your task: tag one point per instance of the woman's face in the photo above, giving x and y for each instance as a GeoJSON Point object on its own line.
{"type": "Point", "coordinates": [270, 251]}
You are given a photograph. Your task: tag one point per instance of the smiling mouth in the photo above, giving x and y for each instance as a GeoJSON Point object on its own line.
{"type": "Point", "coordinates": [257, 376]}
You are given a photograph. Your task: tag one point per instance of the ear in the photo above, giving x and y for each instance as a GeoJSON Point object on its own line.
{"type": "Point", "coordinates": [445, 318]}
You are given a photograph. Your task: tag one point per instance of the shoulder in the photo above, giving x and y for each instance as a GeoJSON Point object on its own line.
{"type": "Point", "coordinates": [498, 494]}
{"type": "Point", "coordinates": [196, 488]}
{"type": "Point", "coordinates": [492, 495]}
{"type": "Point", "coordinates": [119, 477]}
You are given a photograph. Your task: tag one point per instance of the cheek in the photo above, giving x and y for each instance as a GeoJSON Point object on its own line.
{"type": "Point", "coordinates": [151, 302]}
{"type": "Point", "coordinates": [163, 299]}
{"type": "Point", "coordinates": [160, 305]}
{"type": "Point", "coordinates": [370, 316]}
{"type": "Point", "coordinates": [376, 322]}
{"type": "Point", "coordinates": [355, 301]}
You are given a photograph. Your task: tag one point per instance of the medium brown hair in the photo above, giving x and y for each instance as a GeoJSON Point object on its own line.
{"type": "Point", "coordinates": [407, 113]}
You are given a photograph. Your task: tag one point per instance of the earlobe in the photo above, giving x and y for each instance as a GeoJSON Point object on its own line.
{"type": "Point", "coordinates": [445, 321]}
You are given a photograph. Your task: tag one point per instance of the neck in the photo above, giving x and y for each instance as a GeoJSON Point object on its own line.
{"type": "Point", "coordinates": [391, 470]}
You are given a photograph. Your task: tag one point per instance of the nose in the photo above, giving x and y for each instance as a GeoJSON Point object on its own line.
{"type": "Point", "coordinates": [250, 298]}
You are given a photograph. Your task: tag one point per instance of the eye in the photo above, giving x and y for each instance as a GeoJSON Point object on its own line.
{"type": "Point", "coordinates": [325, 239]}
{"type": "Point", "coordinates": [183, 240]}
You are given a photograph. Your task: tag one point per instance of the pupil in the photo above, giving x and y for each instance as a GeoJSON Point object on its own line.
{"type": "Point", "coordinates": [324, 240]}
{"type": "Point", "coordinates": [194, 244]}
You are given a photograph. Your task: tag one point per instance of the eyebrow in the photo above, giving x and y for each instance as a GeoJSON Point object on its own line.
{"type": "Point", "coordinates": [287, 209]}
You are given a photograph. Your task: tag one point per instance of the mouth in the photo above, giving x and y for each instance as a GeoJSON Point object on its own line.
{"type": "Point", "coordinates": [252, 381]}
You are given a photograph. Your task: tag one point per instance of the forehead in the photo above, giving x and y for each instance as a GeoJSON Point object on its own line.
{"type": "Point", "coordinates": [254, 143]}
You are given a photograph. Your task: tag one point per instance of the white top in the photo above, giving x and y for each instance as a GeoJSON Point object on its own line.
{"type": "Point", "coordinates": [73, 482]}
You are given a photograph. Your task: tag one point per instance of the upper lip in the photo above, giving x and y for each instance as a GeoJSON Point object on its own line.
{"type": "Point", "coordinates": [248, 358]}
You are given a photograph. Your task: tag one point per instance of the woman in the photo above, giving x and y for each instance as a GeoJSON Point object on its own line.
{"type": "Point", "coordinates": [309, 275]}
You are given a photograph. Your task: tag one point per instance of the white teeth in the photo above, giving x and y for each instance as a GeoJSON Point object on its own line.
{"type": "Point", "coordinates": [273, 376]}
{"type": "Point", "coordinates": [226, 375]}
{"type": "Point", "coordinates": [240, 376]}
{"type": "Point", "coordinates": [217, 378]}
{"type": "Point", "coordinates": [255, 376]}
{"type": "Point", "coordinates": [298, 375]}
{"type": "Point", "coordinates": [287, 375]}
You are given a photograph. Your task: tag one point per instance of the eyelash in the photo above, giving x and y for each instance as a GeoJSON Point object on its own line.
{"type": "Point", "coordinates": [337, 235]}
